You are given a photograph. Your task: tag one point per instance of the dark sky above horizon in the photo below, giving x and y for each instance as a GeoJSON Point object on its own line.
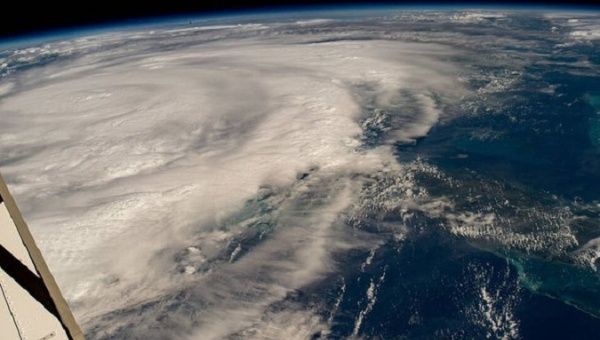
{"type": "Point", "coordinates": [31, 18]}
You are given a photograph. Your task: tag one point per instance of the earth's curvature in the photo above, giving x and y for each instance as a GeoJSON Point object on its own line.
{"type": "Point", "coordinates": [315, 175]}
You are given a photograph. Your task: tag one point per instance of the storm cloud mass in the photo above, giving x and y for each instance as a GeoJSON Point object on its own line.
{"type": "Point", "coordinates": [193, 182]}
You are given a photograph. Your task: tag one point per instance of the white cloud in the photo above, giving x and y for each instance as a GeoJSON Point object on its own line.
{"type": "Point", "coordinates": [123, 157]}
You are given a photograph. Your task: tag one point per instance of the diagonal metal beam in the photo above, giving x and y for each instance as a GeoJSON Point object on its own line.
{"type": "Point", "coordinates": [26, 279]}
{"type": "Point", "coordinates": [64, 314]}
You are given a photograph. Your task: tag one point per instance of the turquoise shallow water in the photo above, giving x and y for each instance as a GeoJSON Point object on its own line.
{"type": "Point", "coordinates": [594, 101]}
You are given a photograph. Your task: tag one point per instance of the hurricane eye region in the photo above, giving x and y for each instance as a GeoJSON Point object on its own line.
{"type": "Point", "coordinates": [315, 175]}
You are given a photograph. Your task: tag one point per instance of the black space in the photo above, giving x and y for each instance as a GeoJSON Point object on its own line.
{"type": "Point", "coordinates": [25, 17]}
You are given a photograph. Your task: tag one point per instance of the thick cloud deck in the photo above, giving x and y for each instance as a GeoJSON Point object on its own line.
{"type": "Point", "coordinates": [124, 156]}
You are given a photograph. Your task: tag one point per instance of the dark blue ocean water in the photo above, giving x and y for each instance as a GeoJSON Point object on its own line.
{"type": "Point", "coordinates": [528, 155]}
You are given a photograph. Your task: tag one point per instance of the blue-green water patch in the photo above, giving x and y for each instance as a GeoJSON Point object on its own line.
{"type": "Point", "coordinates": [594, 125]}
{"type": "Point", "coordinates": [574, 285]}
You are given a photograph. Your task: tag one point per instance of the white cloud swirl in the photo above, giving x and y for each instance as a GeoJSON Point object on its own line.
{"type": "Point", "coordinates": [133, 147]}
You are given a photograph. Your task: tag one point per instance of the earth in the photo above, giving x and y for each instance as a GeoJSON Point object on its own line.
{"type": "Point", "coordinates": [374, 173]}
